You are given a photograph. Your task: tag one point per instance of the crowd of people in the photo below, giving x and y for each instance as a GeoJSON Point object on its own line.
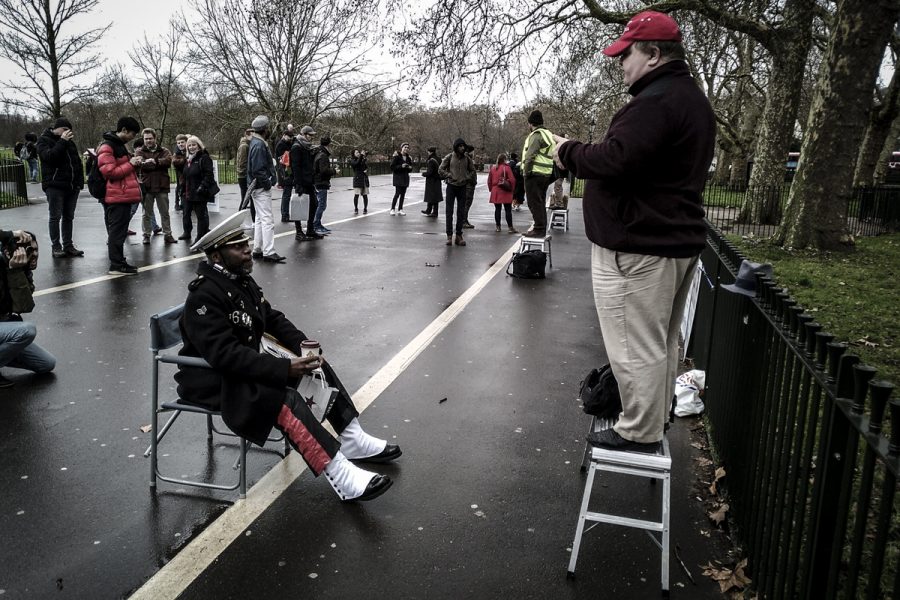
{"type": "Point", "coordinates": [645, 223]}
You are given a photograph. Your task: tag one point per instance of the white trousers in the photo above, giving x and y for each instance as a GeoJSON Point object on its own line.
{"type": "Point", "coordinates": [640, 301]}
{"type": "Point", "coordinates": [264, 226]}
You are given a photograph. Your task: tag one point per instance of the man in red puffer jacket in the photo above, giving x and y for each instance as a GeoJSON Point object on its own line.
{"type": "Point", "coordinates": [118, 167]}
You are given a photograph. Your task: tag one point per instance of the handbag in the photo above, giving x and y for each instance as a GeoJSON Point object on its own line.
{"type": "Point", "coordinates": [504, 183]}
{"type": "Point", "coordinates": [319, 396]}
{"type": "Point", "coordinates": [527, 265]}
{"type": "Point", "coordinates": [299, 207]}
{"type": "Point", "coordinates": [600, 394]}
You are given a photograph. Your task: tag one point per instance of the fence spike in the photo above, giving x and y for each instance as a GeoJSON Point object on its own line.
{"type": "Point", "coordinates": [881, 392]}
{"type": "Point", "coordinates": [894, 447]}
{"type": "Point", "coordinates": [862, 375]}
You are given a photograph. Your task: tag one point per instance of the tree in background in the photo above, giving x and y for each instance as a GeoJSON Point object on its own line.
{"type": "Point", "coordinates": [295, 61]}
{"type": "Point", "coordinates": [816, 210]}
{"type": "Point", "coordinates": [49, 61]}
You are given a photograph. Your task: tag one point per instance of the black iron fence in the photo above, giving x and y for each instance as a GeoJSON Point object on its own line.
{"type": "Point", "coordinates": [798, 424]}
{"type": "Point", "coordinates": [870, 210]}
{"type": "Point", "coordinates": [13, 186]}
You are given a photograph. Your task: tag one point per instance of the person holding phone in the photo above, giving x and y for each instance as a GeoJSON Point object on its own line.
{"type": "Point", "coordinates": [62, 178]}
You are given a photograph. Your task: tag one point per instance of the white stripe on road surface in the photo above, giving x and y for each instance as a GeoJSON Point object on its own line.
{"type": "Point", "coordinates": [170, 581]}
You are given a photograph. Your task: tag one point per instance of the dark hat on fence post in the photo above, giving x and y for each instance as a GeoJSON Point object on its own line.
{"type": "Point", "coordinates": [536, 118]}
{"type": "Point", "coordinates": [228, 232]}
{"type": "Point", "coordinates": [745, 282]}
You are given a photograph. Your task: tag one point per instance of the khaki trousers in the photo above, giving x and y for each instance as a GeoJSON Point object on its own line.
{"type": "Point", "coordinates": [640, 302]}
{"type": "Point", "coordinates": [161, 199]}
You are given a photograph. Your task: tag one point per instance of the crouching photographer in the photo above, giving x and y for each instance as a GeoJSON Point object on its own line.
{"type": "Point", "coordinates": [17, 347]}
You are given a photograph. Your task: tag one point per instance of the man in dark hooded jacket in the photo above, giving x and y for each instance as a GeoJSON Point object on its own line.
{"type": "Point", "coordinates": [458, 169]}
{"type": "Point", "coordinates": [62, 178]}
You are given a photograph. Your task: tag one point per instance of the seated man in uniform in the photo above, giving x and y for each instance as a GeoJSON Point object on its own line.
{"type": "Point", "coordinates": [225, 317]}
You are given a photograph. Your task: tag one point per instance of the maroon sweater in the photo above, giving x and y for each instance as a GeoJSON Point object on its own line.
{"type": "Point", "coordinates": [644, 180]}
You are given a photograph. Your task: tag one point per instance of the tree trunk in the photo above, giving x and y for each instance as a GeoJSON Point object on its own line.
{"type": "Point", "coordinates": [817, 208]}
{"type": "Point", "coordinates": [720, 175]}
{"type": "Point", "coordinates": [883, 115]}
{"type": "Point", "coordinates": [789, 53]}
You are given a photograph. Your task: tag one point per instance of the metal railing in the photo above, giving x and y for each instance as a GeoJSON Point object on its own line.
{"type": "Point", "coordinates": [870, 211]}
{"type": "Point", "coordinates": [798, 425]}
{"type": "Point", "coordinates": [13, 186]}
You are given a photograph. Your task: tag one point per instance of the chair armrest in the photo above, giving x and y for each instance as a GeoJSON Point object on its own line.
{"type": "Point", "coordinates": [187, 361]}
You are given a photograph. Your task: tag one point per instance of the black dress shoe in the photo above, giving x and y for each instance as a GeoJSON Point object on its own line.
{"type": "Point", "coordinates": [314, 236]}
{"type": "Point", "coordinates": [377, 486]}
{"type": "Point", "coordinates": [390, 452]}
{"type": "Point", "coordinates": [274, 258]}
{"type": "Point", "coordinates": [256, 254]}
{"type": "Point", "coordinates": [184, 236]}
{"type": "Point", "coordinates": [609, 439]}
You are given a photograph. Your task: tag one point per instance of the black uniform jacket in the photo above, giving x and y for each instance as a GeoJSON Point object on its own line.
{"type": "Point", "coordinates": [223, 322]}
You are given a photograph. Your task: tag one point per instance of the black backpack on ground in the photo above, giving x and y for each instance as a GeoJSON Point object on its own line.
{"type": "Point", "coordinates": [600, 394]}
{"type": "Point", "coordinates": [527, 265]}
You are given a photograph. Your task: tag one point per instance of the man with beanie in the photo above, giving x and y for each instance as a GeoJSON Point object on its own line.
{"type": "Point", "coordinates": [457, 169]}
{"type": "Point", "coordinates": [537, 168]}
{"type": "Point", "coordinates": [119, 169]}
{"type": "Point", "coordinates": [302, 156]}
{"type": "Point", "coordinates": [225, 317]}
{"type": "Point", "coordinates": [645, 220]}
{"type": "Point", "coordinates": [322, 174]}
{"type": "Point", "coordinates": [260, 179]}
{"type": "Point", "coordinates": [62, 178]}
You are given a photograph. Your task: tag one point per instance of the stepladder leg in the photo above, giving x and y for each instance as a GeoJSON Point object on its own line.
{"type": "Point", "coordinates": [579, 529]}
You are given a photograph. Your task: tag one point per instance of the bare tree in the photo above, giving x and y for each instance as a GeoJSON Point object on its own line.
{"type": "Point", "coordinates": [816, 211]}
{"type": "Point", "coordinates": [884, 112]}
{"type": "Point", "coordinates": [295, 61]}
{"type": "Point", "coordinates": [51, 63]}
{"type": "Point", "coordinates": [157, 62]}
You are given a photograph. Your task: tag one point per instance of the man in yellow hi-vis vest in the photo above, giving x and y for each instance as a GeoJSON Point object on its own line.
{"type": "Point", "coordinates": [537, 166]}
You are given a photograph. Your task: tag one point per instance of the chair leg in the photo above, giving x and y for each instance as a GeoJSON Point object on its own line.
{"type": "Point", "coordinates": [243, 493]}
{"type": "Point", "coordinates": [156, 439]}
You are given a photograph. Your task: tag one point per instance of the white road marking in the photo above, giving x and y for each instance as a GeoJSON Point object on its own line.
{"type": "Point", "coordinates": [181, 571]}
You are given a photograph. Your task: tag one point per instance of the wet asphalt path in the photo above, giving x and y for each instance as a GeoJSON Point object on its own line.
{"type": "Point", "coordinates": [485, 495]}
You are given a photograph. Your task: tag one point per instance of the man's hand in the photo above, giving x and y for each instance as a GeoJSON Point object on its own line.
{"type": "Point", "coordinates": [305, 365]}
{"type": "Point", "coordinates": [22, 236]}
{"type": "Point", "coordinates": [19, 260]}
{"type": "Point", "coordinates": [67, 135]}
{"type": "Point", "coordinates": [135, 161]}
{"type": "Point", "coordinates": [559, 142]}
{"type": "Point", "coordinates": [150, 162]}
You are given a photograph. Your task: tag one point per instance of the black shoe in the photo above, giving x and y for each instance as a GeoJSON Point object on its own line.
{"type": "Point", "coordinates": [184, 236]}
{"type": "Point", "coordinates": [59, 253]}
{"type": "Point", "coordinates": [6, 383]}
{"type": "Point", "coordinates": [390, 452]}
{"type": "Point", "coordinates": [468, 225]}
{"type": "Point", "coordinates": [274, 258]}
{"type": "Point", "coordinates": [256, 254]}
{"type": "Point", "coordinates": [285, 219]}
{"type": "Point", "coordinates": [157, 230]}
{"type": "Point", "coordinates": [125, 269]}
{"type": "Point", "coordinates": [312, 235]}
{"type": "Point", "coordinates": [73, 251]}
{"type": "Point", "coordinates": [376, 487]}
{"type": "Point", "coordinates": [608, 439]}
{"type": "Point", "coordinates": [301, 237]}
{"type": "Point", "coordinates": [427, 213]}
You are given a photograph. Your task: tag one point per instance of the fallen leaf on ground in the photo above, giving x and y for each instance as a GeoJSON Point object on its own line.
{"type": "Point", "coordinates": [718, 515]}
{"type": "Point", "coordinates": [720, 473]}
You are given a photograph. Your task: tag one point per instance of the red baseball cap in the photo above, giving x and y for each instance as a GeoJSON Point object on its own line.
{"type": "Point", "coordinates": [646, 26]}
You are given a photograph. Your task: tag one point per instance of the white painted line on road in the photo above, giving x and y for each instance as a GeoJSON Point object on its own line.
{"type": "Point", "coordinates": [170, 581]}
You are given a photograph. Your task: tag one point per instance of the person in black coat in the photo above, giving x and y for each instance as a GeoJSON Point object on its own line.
{"type": "Point", "coordinates": [360, 167]}
{"type": "Point", "coordinates": [401, 165]}
{"type": "Point", "coordinates": [224, 319]}
{"type": "Point", "coordinates": [302, 155]}
{"type": "Point", "coordinates": [433, 193]}
{"type": "Point", "coordinates": [198, 188]}
{"type": "Point", "coordinates": [519, 189]}
{"type": "Point", "coordinates": [62, 178]}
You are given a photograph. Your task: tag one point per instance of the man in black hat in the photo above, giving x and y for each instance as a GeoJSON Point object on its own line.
{"type": "Point", "coordinates": [62, 178]}
{"type": "Point", "coordinates": [224, 320]}
{"type": "Point", "coordinates": [645, 219]}
{"type": "Point", "coordinates": [537, 167]}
